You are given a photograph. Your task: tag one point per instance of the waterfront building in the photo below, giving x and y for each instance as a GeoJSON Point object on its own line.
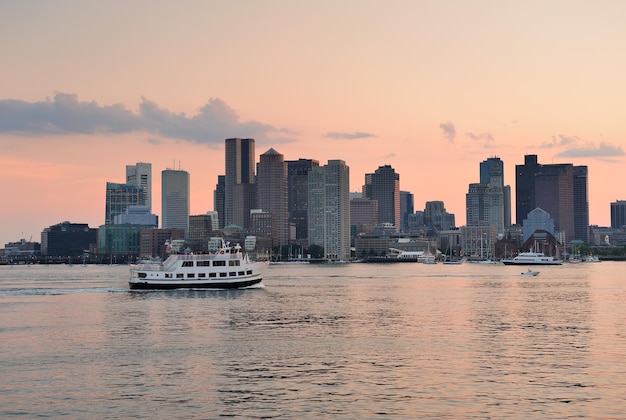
{"type": "Point", "coordinates": [329, 209]}
{"type": "Point", "coordinates": [271, 187]}
{"type": "Point", "coordinates": [239, 194]}
{"type": "Point", "coordinates": [537, 219]}
{"type": "Point", "coordinates": [120, 239]}
{"type": "Point", "coordinates": [618, 214]}
{"type": "Point", "coordinates": [140, 174]}
{"type": "Point", "coordinates": [121, 196]}
{"type": "Point", "coordinates": [261, 223]}
{"type": "Point", "coordinates": [384, 186]}
{"type": "Point", "coordinates": [175, 199]}
{"type": "Point", "coordinates": [298, 196]}
{"type": "Point", "coordinates": [67, 240]}
{"type": "Point", "coordinates": [478, 240]}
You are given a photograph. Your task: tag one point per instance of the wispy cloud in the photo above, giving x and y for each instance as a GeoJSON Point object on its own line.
{"type": "Point", "coordinates": [485, 137]}
{"type": "Point", "coordinates": [560, 141]}
{"type": "Point", "coordinates": [65, 114]}
{"type": "Point", "coordinates": [449, 131]}
{"type": "Point", "coordinates": [603, 150]}
{"type": "Point", "coordinates": [349, 136]}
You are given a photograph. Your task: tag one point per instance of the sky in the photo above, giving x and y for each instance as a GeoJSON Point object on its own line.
{"type": "Point", "coordinates": [431, 88]}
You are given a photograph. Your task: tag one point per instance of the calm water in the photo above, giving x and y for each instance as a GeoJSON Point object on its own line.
{"type": "Point", "coordinates": [344, 341]}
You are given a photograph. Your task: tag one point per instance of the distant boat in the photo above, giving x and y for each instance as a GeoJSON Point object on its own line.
{"type": "Point", "coordinates": [530, 273]}
{"type": "Point", "coordinates": [532, 258]}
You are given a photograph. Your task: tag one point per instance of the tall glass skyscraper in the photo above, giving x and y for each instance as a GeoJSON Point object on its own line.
{"type": "Point", "coordinates": [175, 199]}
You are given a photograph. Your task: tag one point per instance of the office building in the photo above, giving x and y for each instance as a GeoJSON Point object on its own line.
{"type": "Point", "coordinates": [329, 209]}
{"type": "Point", "coordinates": [406, 208]}
{"type": "Point", "coordinates": [239, 194]}
{"type": "Point", "coordinates": [219, 201]}
{"type": "Point", "coordinates": [175, 199]}
{"type": "Point", "coordinates": [271, 187]}
{"type": "Point", "coordinates": [121, 196]}
{"type": "Point", "coordinates": [363, 215]}
{"type": "Point", "coordinates": [559, 189]}
{"type": "Point", "coordinates": [137, 215]}
{"type": "Point", "coordinates": [618, 214]}
{"type": "Point", "coordinates": [67, 240]}
{"type": "Point", "coordinates": [298, 196]}
{"type": "Point", "coordinates": [141, 174]}
{"type": "Point", "coordinates": [384, 186]}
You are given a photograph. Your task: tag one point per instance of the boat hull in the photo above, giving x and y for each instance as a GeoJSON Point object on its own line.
{"type": "Point", "coordinates": [555, 262]}
{"type": "Point", "coordinates": [143, 284]}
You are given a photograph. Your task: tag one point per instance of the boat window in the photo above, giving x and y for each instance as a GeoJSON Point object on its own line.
{"type": "Point", "coordinates": [242, 273]}
{"type": "Point", "coordinates": [222, 274]}
{"type": "Point", "coordinates": [203, 263]}
{"type": "Point", "coordinates": [201, 275]}
{"type": "Point", "coordinates": [212, 274]}
{"type": "Point", "coordinates": [141, 275]}
{"type": "Point", "coordinates": [190, 275]}
{"type": "Point", "coordinates": [249, 272]}
{"type": "Point", "coordinates": [232, 273]}
{"type": "Point", "coordinates": [179, 275]}
{"type": "Point", "coordinates": [187, 263]}
{"type": "Point", "coordinates": [219, 263]}
{"type": "Point", "coordinates": [168, 275]}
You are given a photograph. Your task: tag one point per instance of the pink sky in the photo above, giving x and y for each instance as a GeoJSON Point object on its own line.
{"type": "Point", "coordinates": [431, 88]}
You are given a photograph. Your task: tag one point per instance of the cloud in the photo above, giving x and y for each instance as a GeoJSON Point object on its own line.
{"type": "Point", "coordinates": [603, 150]}
{"type": "Point", "coordinates": [448, 130]}
{"type": "Point", "coordinates": [560, 141]}
{"type": "Point", "coordinates": [65, 114]}
{"type": "Point", "coordinates": [486, 137]}
{"type": "Point", "coordinates": [348, 136]}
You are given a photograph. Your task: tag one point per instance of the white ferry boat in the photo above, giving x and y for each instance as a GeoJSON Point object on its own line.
{"type": "Point", "coordinates": [229, 268]}
{"type": "Point", "coordinates": [532, 258]}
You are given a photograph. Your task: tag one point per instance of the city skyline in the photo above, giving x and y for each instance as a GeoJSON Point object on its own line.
{"type": "Point", "coordinates": [428, 88]}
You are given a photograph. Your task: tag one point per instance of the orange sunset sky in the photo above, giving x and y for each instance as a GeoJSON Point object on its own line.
{"type": "Point", "coordinates": [430, 87]}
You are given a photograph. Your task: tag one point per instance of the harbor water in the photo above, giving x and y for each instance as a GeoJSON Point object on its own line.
{"type": "Point", "coordinates": [328, 341]}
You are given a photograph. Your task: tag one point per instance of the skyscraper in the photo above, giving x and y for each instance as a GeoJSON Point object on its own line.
{"type": "Point", "coordinates": [175, 199]}
{"type": "Point", "coordinates": [618, 214]}
{"type": "Point", "coordinates": [484, 201]}
{"type": "Point", "coordinates": [239, 181]}
{"type": "Point", "coordinates": [329, 209]}
{"type": "Point", "coordinates": [272, 193]}
{"type": "Point", "coordinates": [559, 189]}
{"type": "Point", "coordinates": [384, 186]}
{"type": "Point", "coordinates": [298, 196]}
{"type": "Point", "coordinates": [406, 208]}
{"type": "Point", "coordinates": [141, 174]}
{"type": "Point", "coordinates": [492, 173]}
{"type": "Point", "coordinates": [219, 200]}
